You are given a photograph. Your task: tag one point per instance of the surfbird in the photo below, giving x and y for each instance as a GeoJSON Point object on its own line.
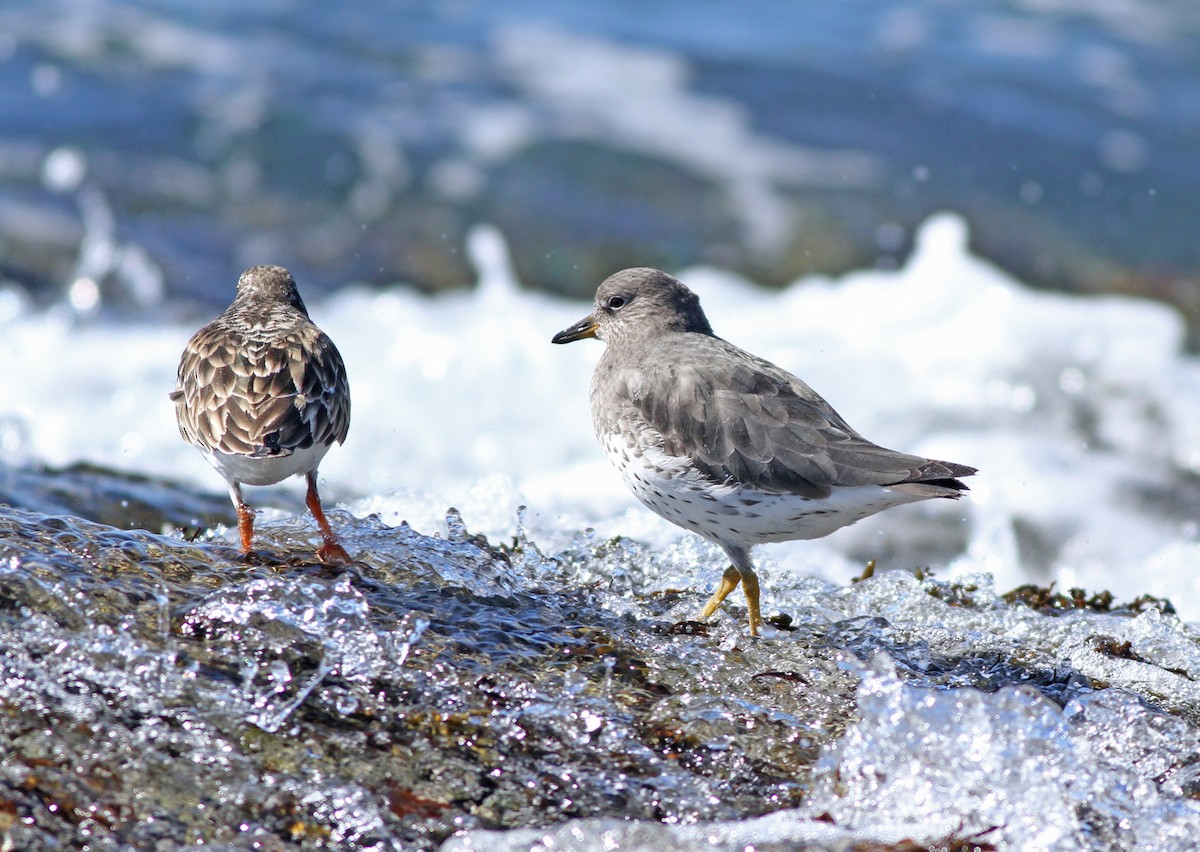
{"type": "Point", "coordinates": [726, 444]}
{"type": "Point", "coordinates": [262, 393]}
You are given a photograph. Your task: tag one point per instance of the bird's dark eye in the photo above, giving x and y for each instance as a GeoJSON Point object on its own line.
{"type": "Point", "coordinates": [616, 302]}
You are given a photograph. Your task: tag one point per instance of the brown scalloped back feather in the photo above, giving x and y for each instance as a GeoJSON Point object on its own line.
{"type": "Point", "coordinates": [260, 381]}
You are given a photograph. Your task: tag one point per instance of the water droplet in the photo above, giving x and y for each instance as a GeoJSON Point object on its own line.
{"type": "Point", "coordinates": [64, 169]}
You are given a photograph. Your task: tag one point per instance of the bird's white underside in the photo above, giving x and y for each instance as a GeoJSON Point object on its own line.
{"type": "Point", "coordinates": [249, 470]}
{"type": "Point", "coordinates": [671, 487]}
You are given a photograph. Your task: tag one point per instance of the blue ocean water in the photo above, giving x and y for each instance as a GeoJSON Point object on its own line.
{"type": "Point", "coordinates": [362, 142]}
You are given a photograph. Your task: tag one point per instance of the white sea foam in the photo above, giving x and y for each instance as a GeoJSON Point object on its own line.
{"type": "Point", "coordinates": [1081, 413]}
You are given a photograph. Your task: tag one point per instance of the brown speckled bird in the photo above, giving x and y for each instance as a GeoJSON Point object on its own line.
{"type": "Point", "coordinates": [262, 393]}
{"type": "Point", "coordinates": [728, 445]}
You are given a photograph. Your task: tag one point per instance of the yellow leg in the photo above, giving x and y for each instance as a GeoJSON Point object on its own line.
{"type": "Point", "coordinates": [729, 582]}
{"type": "Point", "coordinates": [741, 571]}
{"type": "Point", "coordinates": [750, 587]}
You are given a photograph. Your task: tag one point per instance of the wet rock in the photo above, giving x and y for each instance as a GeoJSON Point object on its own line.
{"type": "Point", "coordinates": [120, 499]}
{"type": "Point", "coordinates": [445, 688]}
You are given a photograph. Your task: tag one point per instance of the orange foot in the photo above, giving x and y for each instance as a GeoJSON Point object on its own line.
{"type": "Point", "coordinates": [332, 553]}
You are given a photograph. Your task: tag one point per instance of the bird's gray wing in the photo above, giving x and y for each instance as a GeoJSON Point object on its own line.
{"type": "Point", "coordinates": [257, 394]}
{"type": "Point", "coordinates": [740, 418]}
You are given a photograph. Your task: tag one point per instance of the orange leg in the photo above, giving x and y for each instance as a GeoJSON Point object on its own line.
{"type": "Point", "coordinates": [246, 526]}
{"type": "Point", "coordinates": [245, 516]}
{"type": "Point", "coordinates": [330, 552]}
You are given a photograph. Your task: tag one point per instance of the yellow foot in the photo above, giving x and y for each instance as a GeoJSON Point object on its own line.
{"type": "Point", "coordinates": [729, 582]}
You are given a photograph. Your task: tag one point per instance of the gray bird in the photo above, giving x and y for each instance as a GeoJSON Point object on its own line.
{"type": "Point", "coordinates": [728, 445]}
{"type": "Point", "coordinates": [262, 393]}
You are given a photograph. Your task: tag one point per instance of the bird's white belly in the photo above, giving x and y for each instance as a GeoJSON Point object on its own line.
{"type": "Point", "coordinates": [267, 470]}
{"type": "Point", "coordinates": [672, 488]}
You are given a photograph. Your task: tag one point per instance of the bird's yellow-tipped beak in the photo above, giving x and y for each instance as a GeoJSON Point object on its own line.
{"type": "Point", "coordinates": [586, 327]}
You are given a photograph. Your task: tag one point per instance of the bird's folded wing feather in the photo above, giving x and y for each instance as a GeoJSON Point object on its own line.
{"type": "Point", "coordinates": [739, 418]}
{"type": "Point", "coordinates": [253, 397]}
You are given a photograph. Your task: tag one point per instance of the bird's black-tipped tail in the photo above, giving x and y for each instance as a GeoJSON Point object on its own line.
{"type": "Point", "coordinates": [936, 479]}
